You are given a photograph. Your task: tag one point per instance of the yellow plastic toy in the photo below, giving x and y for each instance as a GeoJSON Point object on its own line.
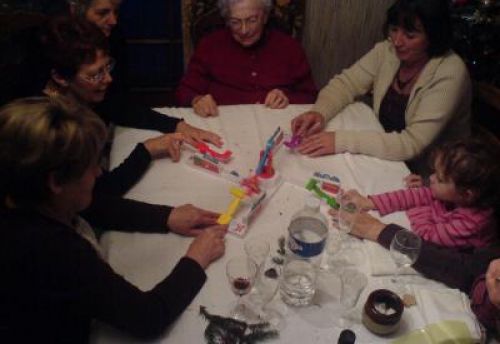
{"type": "Point", "coordinates": [226, 217]}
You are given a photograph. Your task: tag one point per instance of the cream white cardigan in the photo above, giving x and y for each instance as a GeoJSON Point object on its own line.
{"type": "Point", "coordinates": [438, 108]}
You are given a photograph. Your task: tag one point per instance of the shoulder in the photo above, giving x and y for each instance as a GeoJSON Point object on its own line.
{"type": "Point", "coordinates": [217, 37]}
{"type": "Point", "coordinates": [452, 65]}
{"type": "Point", "coordinates": [280, 39]}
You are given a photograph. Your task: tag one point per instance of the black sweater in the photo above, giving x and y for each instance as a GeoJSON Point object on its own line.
{"type": "Point", "coordinates": [54, 283]}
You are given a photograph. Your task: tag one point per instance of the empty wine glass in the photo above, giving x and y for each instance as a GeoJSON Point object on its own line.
{"type": "Point", "coordinates": [241, 273]}
{"type": "Point", "coordinates": [265, 288]}
{"type": "Point", "coordinates": [338, 246]}
{"type": "Point", "coordinates": [257, 249]}
{"type": "Point", "coordinates": [404, 249]}
{"type": "Point", "coordinates": [352, 282]}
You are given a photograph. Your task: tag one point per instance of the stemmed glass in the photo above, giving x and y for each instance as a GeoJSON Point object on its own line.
{"type": "Point", "coordinates": [257, 249]}
{"type": "Point", "coordinates": [241, 273]}
{"type": "Point", "coordinates": [266, 286]}
{"type": "Point", "coordinates": [338, 244]}
{"type": "Point", "coordinates": [352, 282]}
{"type": "Point", "coordinates": [404, 249]}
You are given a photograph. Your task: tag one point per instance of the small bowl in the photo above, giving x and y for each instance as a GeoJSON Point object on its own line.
{"type": "Point", "coordinates": [375, 319]}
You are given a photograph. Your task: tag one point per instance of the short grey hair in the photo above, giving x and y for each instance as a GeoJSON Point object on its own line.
{"type": "Point", "coordinates": [225, 5]}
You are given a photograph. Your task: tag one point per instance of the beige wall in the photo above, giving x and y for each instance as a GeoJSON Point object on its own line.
{"type": "Point", "coordinates": [338, 32]}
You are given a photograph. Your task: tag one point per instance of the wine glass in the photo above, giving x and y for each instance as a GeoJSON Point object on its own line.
{"type": "Point", "coordinates": [338, 246]}
{"type": "Point", "coordinates": [352, 282]}
{"type": "Point", "coordinates": [241, 273]}
{"type": "Point", "coordinates": [257, 249]}
{"type": "Point", "coordinates": [265, 288]}
{"type": "Point", "coordinates": [404, 249]}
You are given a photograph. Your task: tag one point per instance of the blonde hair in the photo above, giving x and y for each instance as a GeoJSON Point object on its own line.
{"type": "Point", "coordinates": [42, 135]}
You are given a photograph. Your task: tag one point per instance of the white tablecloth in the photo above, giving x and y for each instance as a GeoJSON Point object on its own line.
{"type": "Point", "coordinates": [145, 259]}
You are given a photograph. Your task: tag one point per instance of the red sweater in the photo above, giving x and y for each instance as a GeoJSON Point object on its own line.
{"type": "Point", "coordinates": [233, 74]}
{"type": "Point", "coordinates": [434, 221]}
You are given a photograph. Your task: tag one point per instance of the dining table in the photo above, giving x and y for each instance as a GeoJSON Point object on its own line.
{"type": "Point", "coordinates": [440, 314]}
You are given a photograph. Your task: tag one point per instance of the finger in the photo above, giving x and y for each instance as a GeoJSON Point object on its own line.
{"type": "Point", "coordinates": [277, 102]}
{"type": "Point", "coordinates": [313, 128]}
{"type": "Point", "coordinates": [174, 150]}
{"type": "Point", "coordinates": [295, 125]}
{"type": "Point", "coordinates": [212, 106]}
{"type": "Point", "coordinates": [269, 97]}
{"type": "Point", "coordinates": [212, 138]}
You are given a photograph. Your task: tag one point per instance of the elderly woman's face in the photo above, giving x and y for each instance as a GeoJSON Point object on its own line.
{"type": "Point", "coordinates": [104, 14]}
{"type": "Point", "coordinates": [411, 46]}
{"type": "Point", "coordinates": [93, 79]}
{"type": "Point", "coordinates": [246, 20]}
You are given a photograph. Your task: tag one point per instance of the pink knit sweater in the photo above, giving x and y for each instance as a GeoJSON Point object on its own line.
{"type": "Point", "coordinates": [439, 222]}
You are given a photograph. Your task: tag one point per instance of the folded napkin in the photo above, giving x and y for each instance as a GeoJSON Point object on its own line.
{"type": "Point", "coordinates": [380, 261]}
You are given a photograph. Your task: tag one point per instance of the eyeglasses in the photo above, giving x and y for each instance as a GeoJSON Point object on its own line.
{"type": "Point", "coordinates": [237, 24]}
{"type": "Point", "coordinates": [101, 74]}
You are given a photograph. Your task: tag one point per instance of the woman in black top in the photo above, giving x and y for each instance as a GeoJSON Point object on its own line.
{"type": "Point", "coordinates": [55, 277]}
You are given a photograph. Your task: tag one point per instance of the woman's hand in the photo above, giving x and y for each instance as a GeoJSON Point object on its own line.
{"type": "Point", "coordinates": [189, 220]}
{"type": "Point", "coordinates": [364, 225]}
{"type": "Point", "coordinates": [363, 203]}
{"type": "Point", "coordinates": [493, 282]}
{"type": "Point", "coordinates": [195, 135]}
{"type": "Point", "coordinates": [208, 246]}
{"type": "Point", "coordinates": [318, 144]}
{"type": "Point", "coordinates": [308, 123]}
{"type": "Point", "coordinates": [205, 106]}
{"type": "Point", "coordinates": [413, 181]}
{"type": "Point", "coordinates": [165, 145]}
{"type": "Point", "coordinates": [276, 99]}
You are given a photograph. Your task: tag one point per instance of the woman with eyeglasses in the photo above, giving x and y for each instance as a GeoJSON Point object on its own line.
{"type": "Point", "coordinates": [55, 277]}
{"type": "Point", "coordinates": [76, 53]}
{"type": "Point", "coordinates": [246, 63]}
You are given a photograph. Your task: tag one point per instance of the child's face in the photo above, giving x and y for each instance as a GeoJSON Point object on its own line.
{"type": "Point", "coordinates": [443, 188]}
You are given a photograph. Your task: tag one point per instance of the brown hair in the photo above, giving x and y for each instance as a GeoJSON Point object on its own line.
{"type": "Point", "coordinates": [42, 135]}
{"type": "Point", "coordinates": [473, 164]}
{"type": "Point", "coordinates": [68, 43]}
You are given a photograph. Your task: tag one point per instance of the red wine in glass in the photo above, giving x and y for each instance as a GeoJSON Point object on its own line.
{"type": "Point", "coordinates": [241, 285]}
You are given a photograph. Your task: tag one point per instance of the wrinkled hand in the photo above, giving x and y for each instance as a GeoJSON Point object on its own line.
{"type": "Point", "coordinates": [363, 203]}
{"type": "Point", "coordinates": [492, 284]}
{"type": "Point", "coordinates": [318, 144]}
{"type": "Point", "coordinates": [413, 181]}
{"type": "Point", "coordinates": [208, 246]}
{"type": "Point", "coordinates": [276, 99]}
{"type": "Point", "coordinates": [364, 225]}
{"type": "Point", "coordinates": [205, 106]}
{"type": "Point", "coordinates": [165, 145]}
{"type": "Point", "coordinates": [308, 123]}
{"type": "Point", "coordinates": [189, 220]}
{"type": "Point", "coordinates": [195, 135]}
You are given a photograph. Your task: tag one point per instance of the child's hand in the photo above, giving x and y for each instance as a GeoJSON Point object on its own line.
{"type": "Point", "coordinates": [413, 181]}
{"type": "Point", "coordinates": [363, 203]}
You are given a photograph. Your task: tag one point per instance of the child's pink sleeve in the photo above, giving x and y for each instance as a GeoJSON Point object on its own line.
{"type": "Point", "coordinates": [403, 199]}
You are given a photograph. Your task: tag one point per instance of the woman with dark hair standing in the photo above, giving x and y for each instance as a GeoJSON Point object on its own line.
{"type": "Point", "coordinates": [421, 91]}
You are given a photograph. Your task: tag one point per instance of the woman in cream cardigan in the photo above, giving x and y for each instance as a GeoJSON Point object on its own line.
{"type": "Point", "coordinates": [421, 91]}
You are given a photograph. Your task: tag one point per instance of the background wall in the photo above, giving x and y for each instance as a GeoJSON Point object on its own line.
{"type": "Point", "coordinates": [338, 32]}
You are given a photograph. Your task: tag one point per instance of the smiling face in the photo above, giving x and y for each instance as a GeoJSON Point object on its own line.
{"type": "Point", "coordinates": [246, 21]}
{"type": "Point", "coordinates": [411, 46]}
{"type": "Point", "coordinates": [92, 80]}
{"type": "Point", "coordinates": [104, 14]}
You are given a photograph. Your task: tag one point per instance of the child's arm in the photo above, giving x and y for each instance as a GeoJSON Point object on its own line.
{"type": "Point", "coordinates": [459, 228]}
{"type": "Point", "coordinates": [399, 200]}
{"type": "Point", "coordinates": [362, 202]}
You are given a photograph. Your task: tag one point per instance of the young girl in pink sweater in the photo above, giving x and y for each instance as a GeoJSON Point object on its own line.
{"type": "Point", "coordinates": [457, 209]}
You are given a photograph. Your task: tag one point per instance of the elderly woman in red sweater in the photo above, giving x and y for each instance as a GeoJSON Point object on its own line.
{"type": "Point", "coordinates": [246, 63]}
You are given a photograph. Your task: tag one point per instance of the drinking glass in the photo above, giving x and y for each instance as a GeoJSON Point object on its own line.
{"type": "Point", "coordinates": [404, 249]}
{"type": "Point", "coordinates": [241, 273]}
{"type": "Point", "coordinates": [338, 247]}
{"type": "Point", "coordinates": [257, 249]}
{"type": "Point", "coordinates": [265, 288]}
{"type": "Point", "coordinates": [352, 283]}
